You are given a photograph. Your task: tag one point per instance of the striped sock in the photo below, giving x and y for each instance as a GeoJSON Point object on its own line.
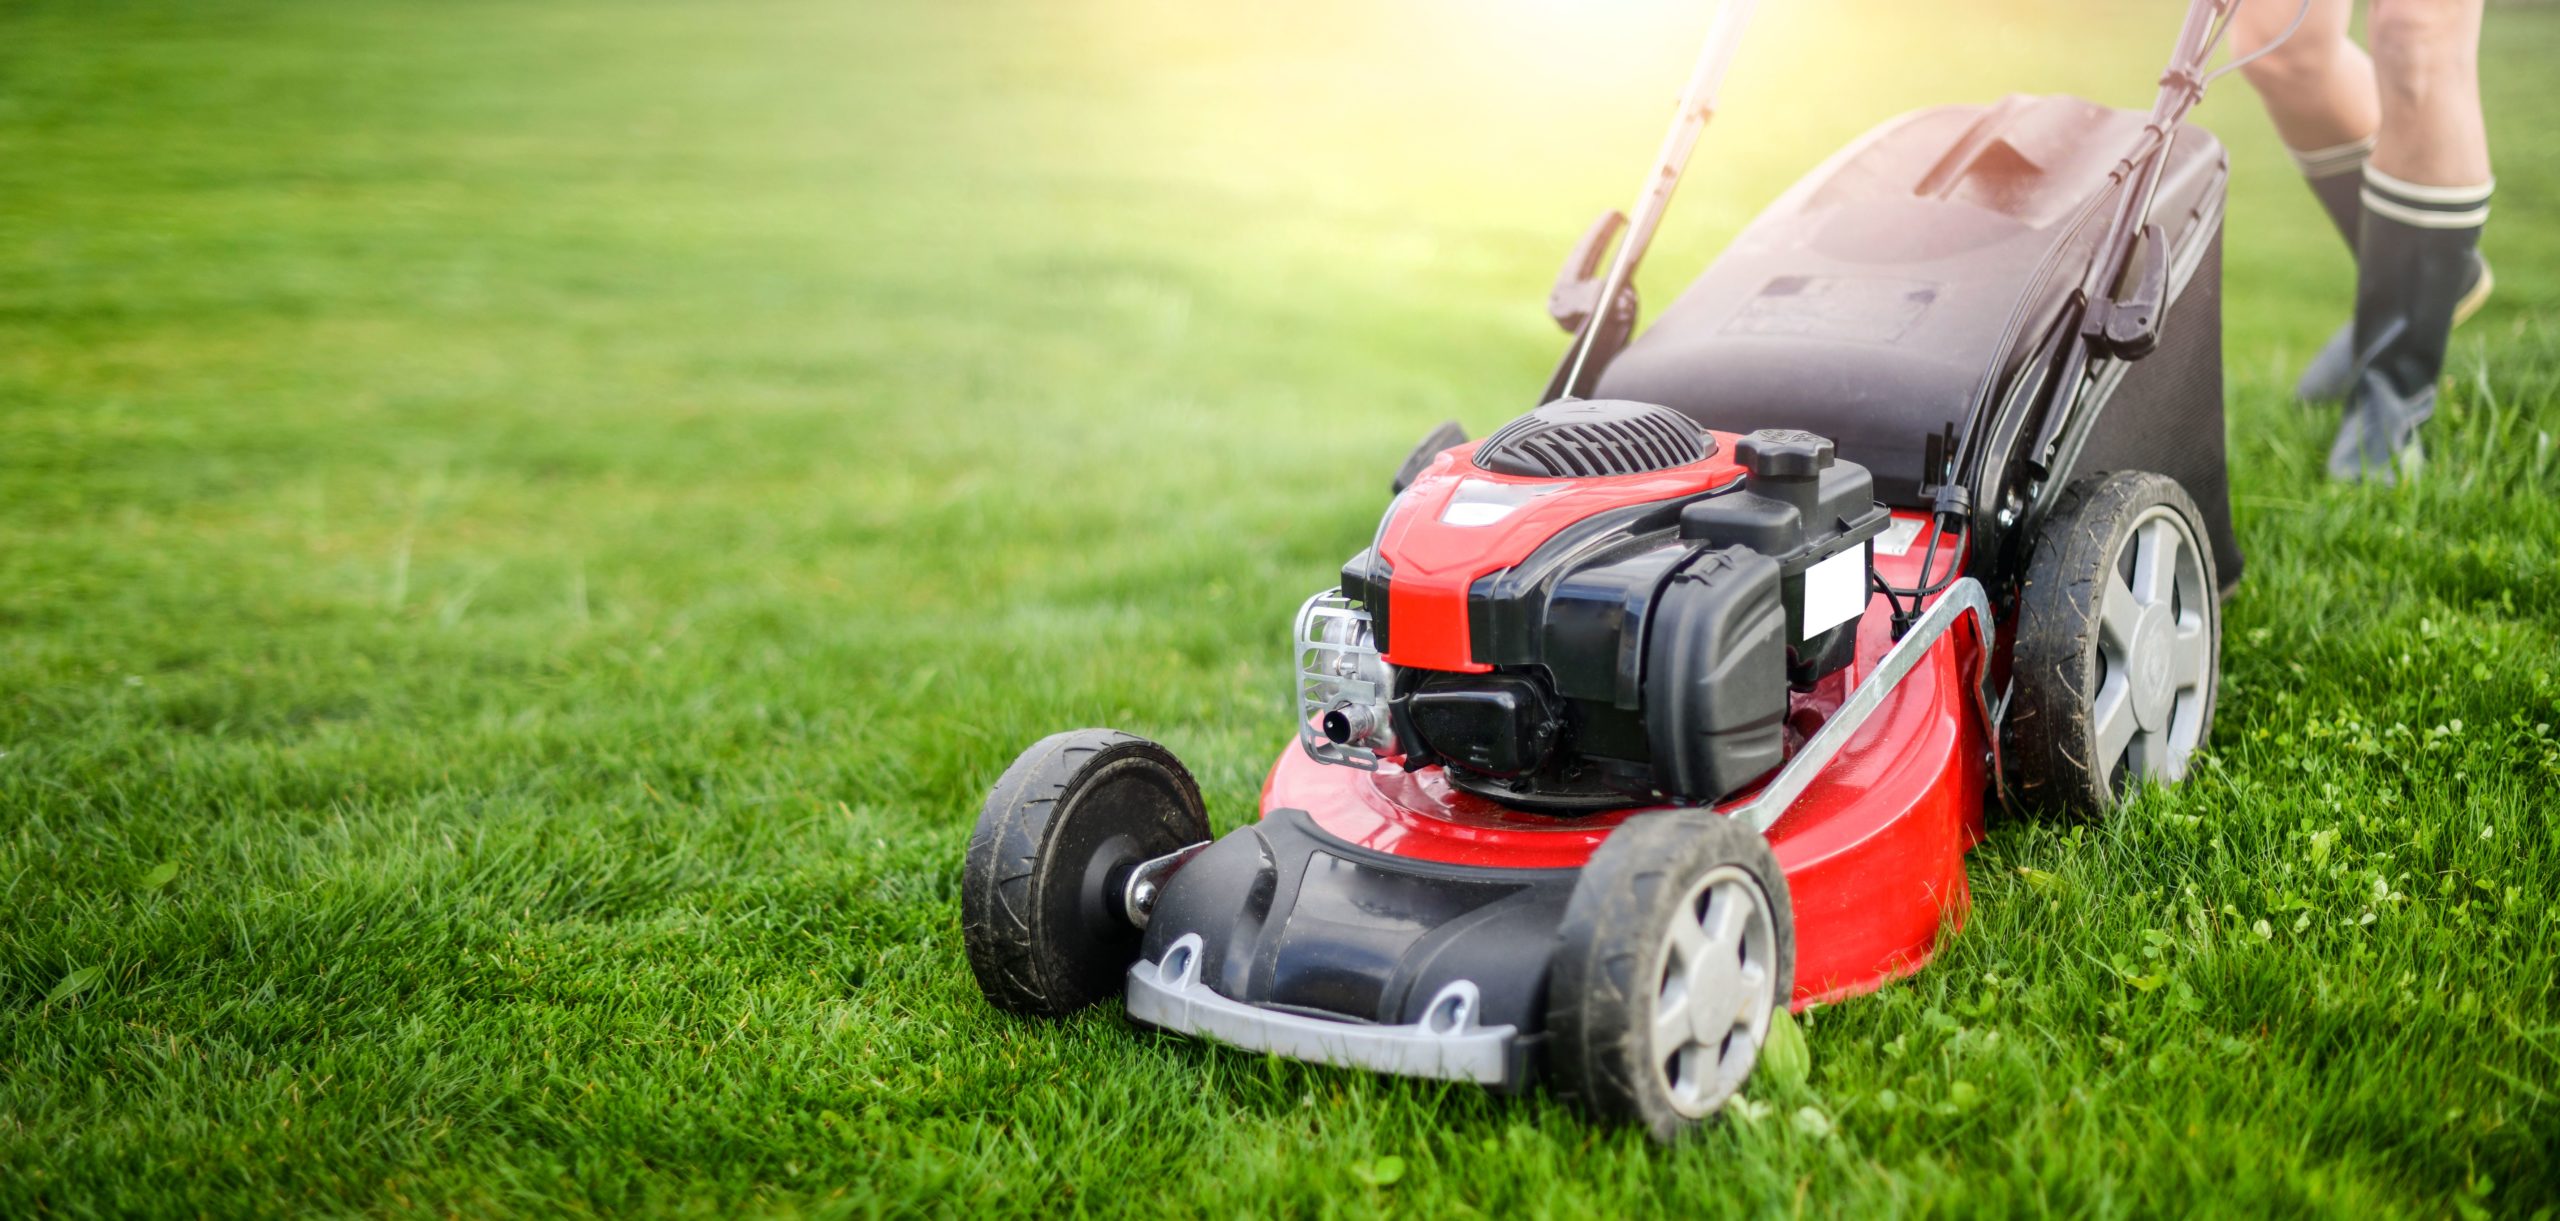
{"type": "Point", "coordinates": [2334, 160]}
{"type": "Point", "coordinates": [2427, 207]}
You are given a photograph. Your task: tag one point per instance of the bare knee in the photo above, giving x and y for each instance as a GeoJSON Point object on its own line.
{"type": "Point", "coordinates": [2426, 28]}
{"type": "Point", "coordinates": [2424, 48]}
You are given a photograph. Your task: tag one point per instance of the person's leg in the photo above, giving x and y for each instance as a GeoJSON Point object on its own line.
{"type": "Point", "coordinates": [2426, 56]}
{"type": "Point", "coordinates": [2319, 89]}
{"type": "Point", "coordinates": [2426, 196]}
{"type": "Point", "coordinates": [2318, 86]}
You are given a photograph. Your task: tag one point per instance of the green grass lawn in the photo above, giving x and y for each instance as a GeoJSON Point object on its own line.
{"type": "Point", "coordinates": [526, 531]}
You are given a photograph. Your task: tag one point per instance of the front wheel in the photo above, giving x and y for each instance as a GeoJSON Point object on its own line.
{"type": "Point", "coordinates": [2119, 645]}
{"type": "Point", "coordinates": [1677, 947]}
{"type": "Point", "coordinates": [1040, 904]}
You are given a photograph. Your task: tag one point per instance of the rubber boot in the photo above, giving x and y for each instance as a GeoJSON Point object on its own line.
{"type": "Point", "coordinates": [2332, 371]}
{"type": "Point", "coordinates": [2416, 251]}
{"type": "Point", "coordinates": [2336, 177]}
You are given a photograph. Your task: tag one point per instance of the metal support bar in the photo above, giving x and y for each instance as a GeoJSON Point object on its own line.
{"type": "Point", "coordinates": [1965, 597]}
{"type": "Point", "coordinates": [1146, 881]}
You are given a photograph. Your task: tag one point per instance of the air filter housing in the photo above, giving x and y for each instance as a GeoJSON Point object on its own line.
{"type": "Point", "coordinates": [1580, 439]}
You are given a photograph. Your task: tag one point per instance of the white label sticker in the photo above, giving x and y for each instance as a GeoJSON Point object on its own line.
{"type": "Point", "coordinates": [1835, 591]}
{"type": "Point", "coordinates": [1482, 502]}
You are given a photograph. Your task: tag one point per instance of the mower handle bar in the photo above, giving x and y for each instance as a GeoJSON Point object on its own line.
{"type": "Point", "coordinates": [1697, 106]}
{"type": "Point", "coordinates": [2058, 439]}
{"type": "Point", "coordinates": [2182, 85]}
{"type": "Point", "coordinates": [2058, 436]}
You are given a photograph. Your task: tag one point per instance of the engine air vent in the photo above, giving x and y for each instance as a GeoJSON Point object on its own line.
{"type": "Point", "coordinates": [1581, 439]}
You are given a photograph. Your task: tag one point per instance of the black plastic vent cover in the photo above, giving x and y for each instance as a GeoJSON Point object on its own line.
{"type": "Point", "coordinates": [1580, 439]}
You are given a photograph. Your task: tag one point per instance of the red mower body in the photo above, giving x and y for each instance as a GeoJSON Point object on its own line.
{"type": "Point", "coordinates": [1873, 850]}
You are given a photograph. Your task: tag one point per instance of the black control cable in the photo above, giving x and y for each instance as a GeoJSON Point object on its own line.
{"type": "Point", "coordinates": [1906, 602]}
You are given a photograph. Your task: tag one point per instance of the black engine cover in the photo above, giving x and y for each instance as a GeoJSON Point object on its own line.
{"type": "Point", "coordinates": [1645, 653]}
{"type": "Point", "coordinates": [1491, 724]}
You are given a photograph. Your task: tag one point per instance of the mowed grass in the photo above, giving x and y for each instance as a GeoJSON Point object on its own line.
{"type": "Point", "coordinates": [527, 530]}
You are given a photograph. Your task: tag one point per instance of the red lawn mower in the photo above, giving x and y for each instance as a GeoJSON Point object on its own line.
{"type": "Point", "coordinates": [1682, 695]}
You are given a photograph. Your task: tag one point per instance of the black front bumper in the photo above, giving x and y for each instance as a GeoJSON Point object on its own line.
{"type": "Point", "coordinates": [1282, 938]}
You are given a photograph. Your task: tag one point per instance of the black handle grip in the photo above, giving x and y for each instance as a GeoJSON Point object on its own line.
{"type": "Point", "coordinates": [1577, 289]}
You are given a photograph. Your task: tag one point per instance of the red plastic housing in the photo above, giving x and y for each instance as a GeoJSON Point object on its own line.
{"type": "Point", "coordinates": [1873, 850]}
{"type": "Point", "coordinates": [1438, 552]}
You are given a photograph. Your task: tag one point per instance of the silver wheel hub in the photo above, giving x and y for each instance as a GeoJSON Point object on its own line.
{"type": "Point", "coordinates": [1717, 985]}
{"type": "Point", "coordinates": [2155, 652]}
{"type": "Point", "coordinates": [2154, 687]}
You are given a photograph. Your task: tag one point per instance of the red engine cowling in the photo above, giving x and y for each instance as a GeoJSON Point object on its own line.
{"type": "Point", "coordinates": [1460, 523]}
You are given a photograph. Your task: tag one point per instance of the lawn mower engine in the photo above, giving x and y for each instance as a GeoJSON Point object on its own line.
{"type": "Point", "coordinates": [1602, 604]}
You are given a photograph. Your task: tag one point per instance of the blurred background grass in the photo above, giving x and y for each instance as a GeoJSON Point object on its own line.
{"type": "Point", "coordinates": [549, 516]}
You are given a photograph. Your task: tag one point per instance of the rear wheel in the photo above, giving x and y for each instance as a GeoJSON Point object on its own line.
{"type": "Point", "coordinates": [1040, 902]}
{"type": "Point", "coordinates": [1677, 947]}
{"type": "Point", "coordinates": [2119, 645]}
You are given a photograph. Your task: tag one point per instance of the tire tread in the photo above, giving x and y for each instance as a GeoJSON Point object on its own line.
{"type": "Point", "coordinates": [2046, 738]}
{"type": "Point", "coordinates": [999, 899]}
{"type": "Point", "coordinates": [1595, 1009]}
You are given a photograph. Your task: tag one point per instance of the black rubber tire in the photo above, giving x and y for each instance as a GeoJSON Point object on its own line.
{"type": "Point", "coordinates": [2048, 737]}
{"type": "Point", "coordinates": [1039, 909]}
{"type": "Point", "coordinates": [1418, 459]}
{"type": "Point", "coordinates": [1600, 993]}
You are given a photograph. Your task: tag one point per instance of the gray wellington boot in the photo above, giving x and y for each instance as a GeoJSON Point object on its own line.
{"type": "Point", "coordinates": [2332, 371]}
{"type": "Point", "coordinates": [2378, 437]}
{"type": "Point", "coordinates": [2336, 178]}
{"type": "Point", "coordinates": [2415, 252]}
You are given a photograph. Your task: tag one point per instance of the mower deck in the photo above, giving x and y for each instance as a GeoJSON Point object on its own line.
{"type": "Point", "coordinates": [1387, 931]}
